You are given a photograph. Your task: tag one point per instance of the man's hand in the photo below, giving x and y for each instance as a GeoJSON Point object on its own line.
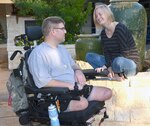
{"type": "Point", "coordinates": [80, 86]}
{"type": "Point", "coordinates": [79, 77]}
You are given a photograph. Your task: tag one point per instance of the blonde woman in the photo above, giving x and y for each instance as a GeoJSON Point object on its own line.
{"type": "Point", "coordinates": [120, 56]}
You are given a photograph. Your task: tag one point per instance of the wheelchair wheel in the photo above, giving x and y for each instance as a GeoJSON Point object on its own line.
{"type": "Point", "coordinates": [29, 124]}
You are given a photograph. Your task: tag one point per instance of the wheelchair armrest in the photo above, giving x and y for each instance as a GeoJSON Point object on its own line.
{"type": "Point", "coordinates": [91, 73]}
{"type": "Point", "coordinates": [55, 90]}
{"type": "Point", "coordinates": [65, 93]}
{"type": "Point", "coordinates": [46, 90]}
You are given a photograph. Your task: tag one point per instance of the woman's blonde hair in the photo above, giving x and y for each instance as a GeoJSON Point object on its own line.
{"type": "Point", "coordinates": [106, 10]}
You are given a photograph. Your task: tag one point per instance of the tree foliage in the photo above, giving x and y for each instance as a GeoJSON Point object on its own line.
{"type": "Point", "coordinates": [74, 12]}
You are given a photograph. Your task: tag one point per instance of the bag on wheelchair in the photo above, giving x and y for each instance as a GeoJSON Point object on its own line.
{"type": "Point", "coordinates": [15, 86]}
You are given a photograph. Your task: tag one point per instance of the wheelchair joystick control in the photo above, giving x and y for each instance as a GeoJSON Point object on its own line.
{"type": "Point", "coordinates": [53, 115]}
{"type": "Point", "coordinates": [76, 88]}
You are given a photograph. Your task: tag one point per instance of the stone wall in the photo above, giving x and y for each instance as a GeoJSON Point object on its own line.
{"type": "Point", "coordinates": [130, 103]}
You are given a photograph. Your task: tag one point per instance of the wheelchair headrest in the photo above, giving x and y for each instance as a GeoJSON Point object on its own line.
{"type": "Point", "coordinates": [33, 32]}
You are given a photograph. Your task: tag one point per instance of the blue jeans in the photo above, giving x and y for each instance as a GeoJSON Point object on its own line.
{"type": "Point", "coordinates": [119, 65]}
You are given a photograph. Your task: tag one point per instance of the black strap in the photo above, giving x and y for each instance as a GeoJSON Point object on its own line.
{"type": "Point", "coordinates": [104, 117]}
{"type": "Point", "coordinates": [86, 91]}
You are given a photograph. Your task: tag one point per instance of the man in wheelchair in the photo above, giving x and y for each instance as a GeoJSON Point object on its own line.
{"type": "Point", "coordinates": [54, 78]}
{"type": "Point", "coordinates": [52, 66]}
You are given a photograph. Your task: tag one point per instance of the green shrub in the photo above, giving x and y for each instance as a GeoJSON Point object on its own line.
{"type": "Point", "coordinates": [22, 40]}
{"type": "Point", "coordinates": [74, 12]}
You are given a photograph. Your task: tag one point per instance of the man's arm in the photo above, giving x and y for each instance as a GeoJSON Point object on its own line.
{"type": "Point", "coordinates": [76, 67]}
{"type": "Point", "coordinates": [56, 83]}
{"type": "Point", "coordinates": [79, 76]}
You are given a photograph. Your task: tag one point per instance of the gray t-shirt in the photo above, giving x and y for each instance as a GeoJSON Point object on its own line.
{"type": "Point", "coordinates": [46, 64]}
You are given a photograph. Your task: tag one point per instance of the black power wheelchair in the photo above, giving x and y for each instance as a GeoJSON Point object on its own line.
{"type": "Point", "coordinates": [40, 99]}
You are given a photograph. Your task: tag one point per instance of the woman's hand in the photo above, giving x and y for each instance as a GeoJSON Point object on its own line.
{"type": "Point", "coordinates": [100, 69]}
{"type": "Point", "coordinates": [111, 73]}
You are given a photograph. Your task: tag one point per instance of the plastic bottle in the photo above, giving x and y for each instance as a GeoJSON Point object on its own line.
{"type": "Point", "coordinates": [53, 115]}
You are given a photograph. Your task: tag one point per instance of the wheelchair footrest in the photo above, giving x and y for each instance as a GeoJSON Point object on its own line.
{"type": "Point", "coordinates": [82, 116]}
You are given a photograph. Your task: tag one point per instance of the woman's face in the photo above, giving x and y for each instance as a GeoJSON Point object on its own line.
{"type": "Point", "coordinates": [100, 16]}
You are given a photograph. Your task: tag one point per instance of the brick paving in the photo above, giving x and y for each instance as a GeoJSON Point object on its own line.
{"type": "Point", "coordinates": [7, 116]}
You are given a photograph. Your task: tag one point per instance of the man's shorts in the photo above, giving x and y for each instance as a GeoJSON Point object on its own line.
{"type": "Point", "coordinates": [85, 92]}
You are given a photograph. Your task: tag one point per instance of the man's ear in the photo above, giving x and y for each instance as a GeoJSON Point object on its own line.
{"type": "Point", "coordinates": [52, 31]}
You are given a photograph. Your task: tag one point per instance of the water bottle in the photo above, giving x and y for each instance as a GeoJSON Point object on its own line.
{"type": "Point", "coordinates": [53, 115]}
